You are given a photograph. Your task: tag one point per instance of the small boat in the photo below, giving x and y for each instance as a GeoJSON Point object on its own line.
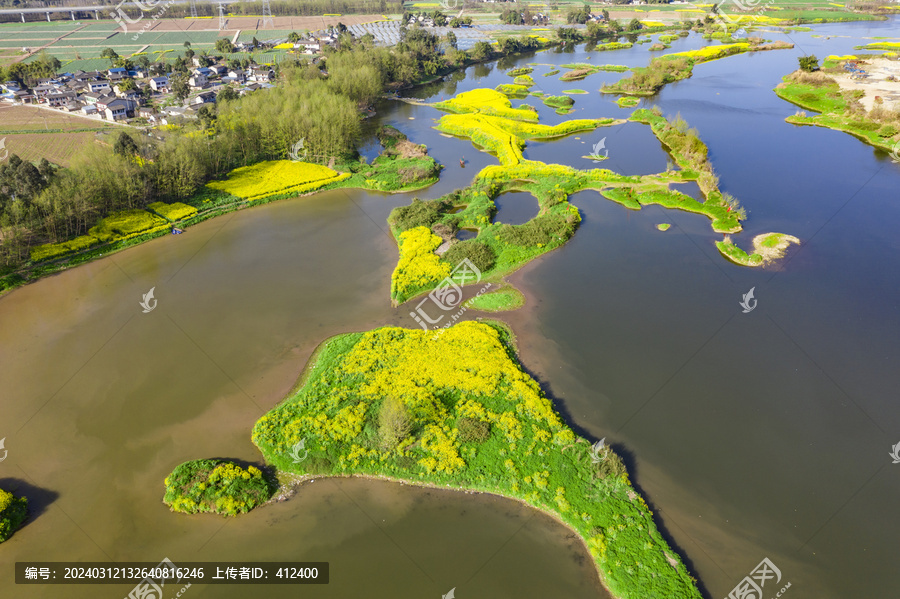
{"type": "Point", "coordinates": [462, 163]}
{"type": "Point", "coordinates": [176, 231]}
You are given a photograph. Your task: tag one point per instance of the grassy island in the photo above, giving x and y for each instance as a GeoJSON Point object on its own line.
{"type": "Point", "coordinates": [13, 512]}
{"type": "Point", "coordinates": [767, 247]}
{"type": "Point", "coordinates": [455, 410]}
{"type": "Point", "coordinates": [839, 109]}
{"type": "Point", "coordinates": [505, 298]}
{"type": "Point", "coordinates": [669, 68]}
{"type": "Point", "coordinates": [426, 231]}
{"type": "Point", "coordinates": [562, 104]}
{"type": "Point", "coordinates": [216, 486]}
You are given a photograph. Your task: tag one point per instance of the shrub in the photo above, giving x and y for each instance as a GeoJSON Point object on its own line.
{"type": "Point", "coordinates": [888, 131]}
{"type": "Point", "coordinates": [13, 511]}
{"type": "Point", "coordinates": [216, 486]}
{"type": "Point", "coordinates": [393, 423]}
{"type": "Point", "coordinates": [539, 230]}
{"type": "Point", "coordinates": [418, 213]}
{"type": "Point", "coordinates": [481, 255]}
{"type": "Point", "coordinates": [472, 430]}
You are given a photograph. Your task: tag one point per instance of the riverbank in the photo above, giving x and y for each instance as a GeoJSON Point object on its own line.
{"type": "Point", "coordinates": [401, 167]}
{"type": "Point", "coordinates": [839, 109]}
{"type": "Point", "coordinates": [495, 434]}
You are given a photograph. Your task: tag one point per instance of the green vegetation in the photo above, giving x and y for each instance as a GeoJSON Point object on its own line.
{"type": "Point", "coordinates": [562, 104]}
{"type": "Point", "coordinates": [628, 101]}
{"type": "Point", "coordinates": [453, 409]}
{"type": "Point", "coordinates": [216, 486]}
{"type": "Point", "coordinates": [663, 226]}
{"type": "Point", "coordinates": [737, 255]}
{"type": "Point", "coordinates": [646, 81]}
{"type": "Point", "coordinates": [579, 71]}
{"type": "Point", "coordinates": [51, 211]}
{"type": "Point", "coordinates": [520, 71]}
{"type": "Point", "coordinates": [880, 46]}
{"type": "Point", "coordinates": [13, 511]}
{"type": "Point", "coordinates": [840, 110]}
{"type": "Point", "coordinates": [505, 298]}
{"type": "Point", "coordinates": [512, 90]}
{"type": "Point", "coordinates": [613, 46]}
{"type": "Point", "coordinates": [574, 91]}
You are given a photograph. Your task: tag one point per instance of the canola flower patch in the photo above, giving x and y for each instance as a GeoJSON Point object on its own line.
{"type": "Point", "coordinates": [55, 250]}
{"type": "Point", "coordinates": [418, 266]}
{"type": "Point", "coordinates": [215, 486]}
{"type": "Point", "coordinates": [276, 177]}
{"type": "Point", "coordinates": [173, 212]}
{"type": "Point", "coordinates": [126, 224]}
{"type": "Point", "coordinates": [456, 409]}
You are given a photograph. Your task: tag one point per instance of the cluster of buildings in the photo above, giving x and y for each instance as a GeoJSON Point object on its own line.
{"type": "Point", "coordinates": [106, 95]}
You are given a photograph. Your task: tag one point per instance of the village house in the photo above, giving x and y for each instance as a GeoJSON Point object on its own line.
{"type": "Point", "coordinates": [160, 84]}
{"type": "Point", "coordinates": [198, 80]}
{"type": "Point", "coordinates": [98, 86]}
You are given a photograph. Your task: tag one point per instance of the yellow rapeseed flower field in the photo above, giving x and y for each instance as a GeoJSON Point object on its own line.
{"type": "Point", "coordinates": [273, 177]}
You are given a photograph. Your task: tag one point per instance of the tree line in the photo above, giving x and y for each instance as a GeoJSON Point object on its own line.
{"type": "Point", "coordinates": [45, 204]}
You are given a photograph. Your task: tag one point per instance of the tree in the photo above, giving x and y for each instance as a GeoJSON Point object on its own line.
{"type": "Point", "coordinates": [180, 88]}
{"type": "Point", "coordinates": [127, 85]}
{"type": "Point", "coordinates": [125, 145]}
{"type": "Point", "coordinates": [605, 14]}
{"type": "Point", "coordinates": [293, 37]}
{"type": "Point", "coordinates": [809, 63]}
{"type": "Point", "coordinates": [481, 50]}
{"type": "Point", "coordinates": [109, 53]}
{"type": "Point", "coordinates": [205, 60]}
{"type": "Point", "coordinates": [255, 43]}
{"type": "Point", "coordinates": [189, 54]}
{"type": "Point", "coordinates": [633, 25]}
{"type": "Point", "coordinates": [451, 39]}
{"type": "Point", "coordinates": [224, 45]}
{"type": "Point", "coordinates": [393, 423]}
{"type": "Point", "coordinates": [187, 44]}
{"type": "Point", "coordinates": [226, 94]}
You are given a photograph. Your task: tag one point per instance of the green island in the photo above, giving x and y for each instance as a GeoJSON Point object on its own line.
{"type": "Point", "coordinates": [13, 512]}
{"type": "Point", "coordinates": [628, 101]}
{"type": "Point", "coordinates": [766, 248]}
{"type": "Point", "coordinates": [580, 70]}
{"type": "Point", "coordinates": [562, 104]}
{"type": "Point", "coordinates": [669, 68]}
{"type": "Point", "coordinates": [505, 298]}
{"type": "Point", "coordinates": [663, 226]}
{"type": "Point", "coordinates": [840, 109]}
{"type": "Point", "coordinates": [455, 410]}
{"type": "Point", "coordinates": [216, 486]}
{"type": "Point", "coordinates": [426, 231]}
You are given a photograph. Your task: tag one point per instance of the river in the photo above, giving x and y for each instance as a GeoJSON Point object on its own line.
{"type": "Point", "coordinates": [751, 435]}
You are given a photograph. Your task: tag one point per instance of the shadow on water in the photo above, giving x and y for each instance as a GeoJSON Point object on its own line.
{"type": "Point", "coordinates": [39, 498]}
